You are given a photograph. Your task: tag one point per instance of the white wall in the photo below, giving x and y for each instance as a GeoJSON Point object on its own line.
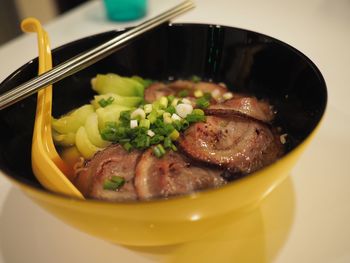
{"type": "Point", "coordinates": [44, 10]}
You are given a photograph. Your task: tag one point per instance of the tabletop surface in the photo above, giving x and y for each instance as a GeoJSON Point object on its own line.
{"type": "Point", "coordinates": [306, 219]}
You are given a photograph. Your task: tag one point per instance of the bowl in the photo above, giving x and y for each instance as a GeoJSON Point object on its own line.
{"type": "Point", "coordinates": [246, 61]}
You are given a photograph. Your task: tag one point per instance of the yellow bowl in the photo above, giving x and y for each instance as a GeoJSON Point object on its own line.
{"type": "Point", "coordinates": [247, 61]}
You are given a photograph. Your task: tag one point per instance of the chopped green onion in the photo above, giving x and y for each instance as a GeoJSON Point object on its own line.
{"type": "Point", "coordinates": [171, 109]}
{"type": "Point", "coordinates": [127, 146]}
{"type": "Point", "coordinates": [125, 116]}
{"type": "Point", "coordinates": [158, 150]}
{"type": "Point", "coordinates": [185, 125]}
{"type": "Point", "coordinates": [114, 183]}
{"type": "Point", "coordinates": [145, 123]}
{"type": "Point", "coordinates": [174, 135]}
{"type": "Point", "coordinates": [198, 112]}
{"type": "Point", "coordinates": [157, 139]}
{"type": "Point", "coordinates": [152, 117]}
{"type": "Point", "coordinates": [150, 133]}
{"type": "Point", "coordinates": [198, 93]}
{"type": "Point", "coordinates": [133, 124]}
{"type": "Point", "coordinates": [167, 142]}
{"type": "Point", "coordinates": [118, 179]}
{"type": "Point", "coordinates": [177, 125]}
{"type": "Point", "coordinates": [183, 93]}
{"type": "Point", "coordinates": [160, 129]}
{"type": "Point", "coordinates": [138, 114]}
{"type": "Point", "coordinates": [109, 132]}
{"type": "Point", "coordinates": [171, 98]}
{"type": "Point", "coordinates": [175, 102]}
{"type": "Point", "coordinates": [124, 140]}
{"type": "Point", "coordinates": [173, 147]}
{"type": "Point", "coordinates": [202, 102]}
{"type": "Point", "coordinates": [207, 95]}
{"type": "Point", "coordinates": [163, 102]}
{"type": "Point", "coordinates": [168, 128]}
{"type": "Point", "coordinates": [147, 108]}
{"type": "Point", "coordinates": [105, 102]}
{"type": "Point", "coordinates": [195, 118]}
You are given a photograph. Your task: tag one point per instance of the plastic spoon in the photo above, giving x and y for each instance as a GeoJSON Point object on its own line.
{"type": "Point", "coordinates": [50, 170]}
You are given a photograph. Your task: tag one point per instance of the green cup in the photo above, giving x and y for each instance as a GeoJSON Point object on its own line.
{"type": "Point", "coordinates": [125, 10]}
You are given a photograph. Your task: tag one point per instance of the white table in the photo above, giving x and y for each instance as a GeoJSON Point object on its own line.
{"type": "Point", "coordinates": [305, 220]}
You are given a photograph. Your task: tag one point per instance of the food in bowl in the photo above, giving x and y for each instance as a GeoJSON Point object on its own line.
{"type": "Point", "coordinates": [249, 62]}
{"type": "Point", "coordinates": [142, 140]}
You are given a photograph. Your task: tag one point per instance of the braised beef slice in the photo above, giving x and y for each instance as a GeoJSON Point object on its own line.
{"type": "Point", "coordinates": [112, 161]}
{"type": "Point", "coordinates": [247, 106]}
{"type": "Point", "coordinates": [157, 90]}
{"type": "Point", "coordinates": [238, 144]}
{"type": "Point", "coordinates": [173, 174]}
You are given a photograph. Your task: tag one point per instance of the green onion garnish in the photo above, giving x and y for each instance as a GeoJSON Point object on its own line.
{"type": "Point", "coordinates": [158, 150]}
{"type": "Point", "coordinates": [127, 146]}
{"type": "Point", "coordinates": [202, 102]}
{"type": "Point", "coordinates": [158, 119]}
{"type": "Point", "coordinates": [114, 183]}
{"type": "Point", "coordinates": [167, 142]}
{"type": "Point", "coordinates": [207, 96]}
{"type": "Point", "coordinates": [195, 118]}
{"type": "Point", "coordinates": [183, 93]}
{"type": "Point", "coordinates": [171, 98]}
{"type": "Point", "coordinates": [105, 102]}
{"type": "Point", "coordinates": [171, 109]}
{"type": "Point", "coordinates": [173, 147]}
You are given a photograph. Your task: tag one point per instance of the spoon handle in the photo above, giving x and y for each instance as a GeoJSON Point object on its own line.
{"type": "Point", "coordinates": [89, 57]}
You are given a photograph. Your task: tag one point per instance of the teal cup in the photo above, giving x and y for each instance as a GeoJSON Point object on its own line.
{"type": "Point", "coordinates": [125, 10]}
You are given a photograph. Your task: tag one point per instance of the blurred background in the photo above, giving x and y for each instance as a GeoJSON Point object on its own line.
{"type": "Point", "coordinates": [13, 11]}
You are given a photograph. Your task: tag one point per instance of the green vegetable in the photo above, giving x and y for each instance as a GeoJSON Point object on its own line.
{"type": "Point", "coordinates": [114, 183]}
{"type": "Point", "coordinates": [167, 142]}
{"type": "Point", "coordinates": [207, 96]}
{"type": "Point", "coordinates": [110, 113]}
{"type": "Point", "coordinates": [171, 109]}
{"type": "Point", "coordinates": [114, 99]}
{"type": "Point", "coordinates": [198, 112]}
{"type": "Point", "coordinates": [93, 133]}
{"type": "Point", "coordinates": [170, 98]}
{"type": "Point", "coordinates": [113, 83]}
{"type": "Point", "coordinates": [145, 123]}
{"type": "Point", "coordinates": [158, 150]}
{"type": "Point", "coordinates": [202, 102]}
{"type": "Point", "coordinates": [65, 139]}
{"type": "Point", "coordinates": [183, 93]}
{"type": "Point", "coordinates": [84, 145]}
{"type": "Point", "coordinates": [72, 121]}
{"type": "Point", "coordinates": [103, 103]}
{"type": "Point", "coordinates": [195, 118]}
{"type": "Point", "coordinates": [144, 82]}
{"type": "Point", "coordinates": [127, 146]}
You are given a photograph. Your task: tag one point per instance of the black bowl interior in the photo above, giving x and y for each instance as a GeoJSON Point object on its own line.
{"type": "Point", "coordinates": [246, 61]}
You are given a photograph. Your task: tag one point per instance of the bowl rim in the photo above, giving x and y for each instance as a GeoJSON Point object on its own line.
{"type": "Point", "coordinates": [27, 184]}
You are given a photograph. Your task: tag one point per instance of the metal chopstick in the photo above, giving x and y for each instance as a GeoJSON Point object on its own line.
{"type": "Point", "coordinates": [89, 57]}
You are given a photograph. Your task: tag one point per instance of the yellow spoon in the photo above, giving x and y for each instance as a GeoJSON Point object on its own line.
{"type": "Point", "coordinates": [50, 170]}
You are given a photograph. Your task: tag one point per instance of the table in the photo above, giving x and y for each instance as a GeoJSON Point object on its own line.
{"type": "Point", "coordinates": [306, 219]}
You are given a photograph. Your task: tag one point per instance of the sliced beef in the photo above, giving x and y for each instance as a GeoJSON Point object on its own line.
{"type": "Point", "coordinates": [173, 174]}
{"type": "Point", "coordinates": [191, 86]}
{"type": "Point", "coordinates": [249, 106]}
{"type": "Point", "coordinates": [239, 144]}
{"type": "Point", "coordinates": [112, 161]}
{"type": "Point", "coordinates": [157, 90]}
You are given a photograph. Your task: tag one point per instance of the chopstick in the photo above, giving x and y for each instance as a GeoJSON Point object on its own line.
{"type": "Point", "coordinates": [89, 57]}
